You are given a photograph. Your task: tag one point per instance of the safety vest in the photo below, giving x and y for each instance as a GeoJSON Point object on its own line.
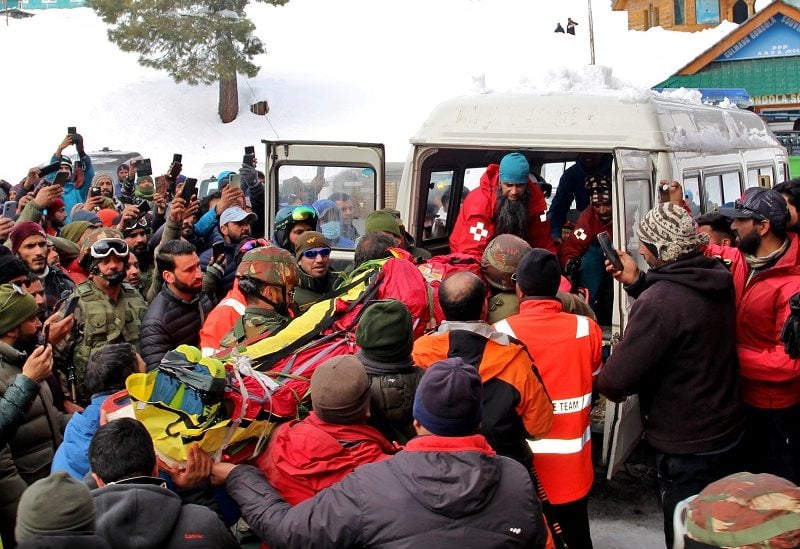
{"type": "Point", "coordinates": [221, 319]}
{"type": "Point", "coordinates": [567, 350]}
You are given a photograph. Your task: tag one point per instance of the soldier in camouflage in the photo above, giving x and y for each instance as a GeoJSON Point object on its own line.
{"type": "Point", "coordinates": [108, 310]}
{"type": "Point", "coordinates": [267, 277]}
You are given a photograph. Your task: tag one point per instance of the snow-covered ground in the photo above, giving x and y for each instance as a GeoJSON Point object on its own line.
{"type": "Point", "coordinates": [361, 70]}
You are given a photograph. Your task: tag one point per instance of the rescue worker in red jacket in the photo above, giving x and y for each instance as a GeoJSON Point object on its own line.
{"type": "Point", "coordinates": [580, 254]}
{"type": "Point", "coordinates": [567, 351]}
{"type": "Point", "coordinates": [516, 405]}
{"type": "Point", "coordinates": [308, 455]}
{"type": "Point", "coordinates": [507, 201]}
{"type": "Point", "coordinates": [766, 273]}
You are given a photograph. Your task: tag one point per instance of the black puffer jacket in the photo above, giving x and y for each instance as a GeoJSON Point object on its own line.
{"type": "Point", "coordinates": [438, 492]}
{"type": "Point", "coordinates": [170, 321]}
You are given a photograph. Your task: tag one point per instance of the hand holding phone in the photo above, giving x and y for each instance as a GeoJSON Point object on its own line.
{"type": "Point", "coordinates": [608, 250]}
{"type": "Point", "coordinates": [50, 168]}
{"type": "Point", "coordinates": [189, 189]}
{"type": "Point", "coordinates": [217, 250]}
{"type": "Point", "coordinates": [10, 209]}
{"type": "Point", "coordinates": [235, 181]}
{"type": "Point", "coordinates": [143, 167]}
{"type": "Point", "coordinates": [61, 178]}
{"type": "Point", "coordinates": [69, 308]}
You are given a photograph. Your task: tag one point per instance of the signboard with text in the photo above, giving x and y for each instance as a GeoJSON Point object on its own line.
{"type": "Point", "coordinates": [778, 36]}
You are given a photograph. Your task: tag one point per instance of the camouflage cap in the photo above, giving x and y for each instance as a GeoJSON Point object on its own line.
{"type": "Point", "coordinates": [91, 237]}
{"type": "Point", "coordinates": [500, 260]}
{"type": "Point", "coordinates": [746, 510]}
{"type": "Point", "coordinates": [269, 264]}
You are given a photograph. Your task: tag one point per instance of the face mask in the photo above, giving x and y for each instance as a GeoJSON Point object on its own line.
{"type": "Point", "coordinates": [331, 230]}
{"type": "Point", "coordinates": [115, 279]}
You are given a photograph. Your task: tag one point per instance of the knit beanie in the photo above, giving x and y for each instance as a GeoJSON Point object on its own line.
{"type": "Point", "coordinates": [23, 230]}
{"type": "Point", "coordinates": [16, 306]}
{"type": "Point", "coordinates": [340, 390]}
{"type": "Point", "coordinates": [671, 231]}
{"type": "Point", "coordinates": [514, 169]}
{"type": "Point", "coordinates": [108, 217]}
{"type": "Point", "coordinates": [538, 273]}
{"type": "Point", "coordinates": [381, 221]}
{"type": "Point", "coordinates": [385, 332]}
{"type": "Point", "coordinates": [73, 231]}
{"type": "Point", "coordinates": [54, 206]}
{"type": "Point", "coordinates": [100, 176]}
{"type": "Point", "coordinates": [145, 188]}
{"type": "Point", "coordinates": [11, 267]}
{"type": "Point", "coordinates": [308, 241]}
{"type": "Point", "coordinates": [55, 505]}
{"type": "Point", "coordinates": [449, 398]}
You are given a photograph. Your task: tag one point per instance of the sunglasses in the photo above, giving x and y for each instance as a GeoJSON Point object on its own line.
{"type": "Point", "coordinates": [108, 246]}
{"type": "Point", "coordinates": [252, 245]}
{"type": "Point", "coordinates": [314, 252]}
{"type": "Point", "coordinates": [739, 205]}
{"type": "Point", "coordinates": [18, 290]}
{"type": "Point", "coordinates": [304, 213]}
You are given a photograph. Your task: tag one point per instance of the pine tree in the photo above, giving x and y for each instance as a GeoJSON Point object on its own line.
{"type": "Point", "coordinates": [195, 41]}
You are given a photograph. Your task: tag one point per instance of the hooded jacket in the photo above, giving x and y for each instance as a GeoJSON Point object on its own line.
{"type": "Point", "coordinates": [170, 321]}
{"type": "Point", "coordinates": [72, 456]}
{"type": "Point", "coordinates": [140, 513]}
{"type": "Point", "coordinates": [679, 354]}
{"type": "Point", "coordinates": [770, 377]}
{"type": "Point", "coordinates": [474, 228]}
{"type": "Point", "coordinates": [438, 492]}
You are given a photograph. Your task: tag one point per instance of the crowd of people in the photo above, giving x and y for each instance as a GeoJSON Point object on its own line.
{"type": "Point", "coordinates": [461, 414]}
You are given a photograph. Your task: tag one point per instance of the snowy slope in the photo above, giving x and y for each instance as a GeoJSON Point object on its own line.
{"type": "Point", "coordinates": [366, 70]}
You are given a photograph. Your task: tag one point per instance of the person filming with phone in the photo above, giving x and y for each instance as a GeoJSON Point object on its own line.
{"type": "Point", "coordinates": [82, 171]}
{"type": "Point", "coordinates": [580, 254]}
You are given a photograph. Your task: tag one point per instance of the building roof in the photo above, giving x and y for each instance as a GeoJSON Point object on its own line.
{"type": "Point", "coordinates": [777, 75]}
{"type": "Point", "coordinates": [749, 27]}
{"type": "Point", "coordinates": [619, 5]}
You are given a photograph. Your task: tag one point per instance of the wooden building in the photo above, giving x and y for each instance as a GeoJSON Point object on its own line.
{"type": "Point", "coordinates": [683, 15]}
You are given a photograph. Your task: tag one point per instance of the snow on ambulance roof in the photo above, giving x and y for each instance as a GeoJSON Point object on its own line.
{"type": "Point", "coordinates": [589, 108]}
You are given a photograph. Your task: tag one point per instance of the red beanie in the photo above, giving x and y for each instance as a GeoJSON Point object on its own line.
{"type": "Point", "coordinates": [108, 217]}
{"type": "Point", "coordinates": [54, 206]}
{"type": "Point", "coordinates": [22, 231]}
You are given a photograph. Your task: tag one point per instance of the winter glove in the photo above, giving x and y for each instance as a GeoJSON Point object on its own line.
{"type": "Point", "coordinates": [790, 334]}
{"type": "Point", "coordinates": [213, 275]}
{"type": "Point", "coordinates": [249, 175]}
{"type": "Point", "coordinates": [77, 140]}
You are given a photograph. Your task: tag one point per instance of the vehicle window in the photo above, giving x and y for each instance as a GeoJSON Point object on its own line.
{"type": "Point", "coordinates": [731, 187]}
{"type": "Point", "coordinates": [754, 175]}
{"type": "Point", "coordinates": [691, 192]}
{"type": "Point", "coordinates": [713, 188]}
{"type": "Point", "coordinates": [343, 195]}
{"type": "Point", "coordinates": [438, 204]}
{"type": "Point", "coordinates": [637, 203]}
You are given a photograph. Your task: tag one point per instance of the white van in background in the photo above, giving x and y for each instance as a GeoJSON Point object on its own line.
{"type": "Point", "coordinates": [715, 153]}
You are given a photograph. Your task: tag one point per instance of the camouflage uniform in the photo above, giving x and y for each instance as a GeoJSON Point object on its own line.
{"type": "Point", "coordinates": [255, 322]}
{"type": "Point", "coordinates": [98, 321]}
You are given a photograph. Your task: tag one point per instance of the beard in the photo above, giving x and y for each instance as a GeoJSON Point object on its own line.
{"type": "Point", "coordinates": [187, 288]}
{"type": "Point", "coordinates": [511, 216]}
{"type": "Point", "coordinates": [749, 243]}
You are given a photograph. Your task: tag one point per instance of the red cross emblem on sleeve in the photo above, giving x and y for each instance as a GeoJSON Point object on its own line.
{"type": "Point", "coordinates": [478, 231]}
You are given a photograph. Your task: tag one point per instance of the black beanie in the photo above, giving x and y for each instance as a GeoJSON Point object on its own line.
{"type": "Point", "coordinates": [385, 332]}
{"type": "Point", "coordinates": [538, 273]}
{"type": "Point", "coordinates": [449, 398]}
{"type": "Point", "coordinates": [11, 267]}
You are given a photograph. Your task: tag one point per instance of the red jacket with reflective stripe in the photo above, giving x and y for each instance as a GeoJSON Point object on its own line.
{"type": "Point", "coordinates": [567, 350]}
{"type": "Point", "coordinates": [474, 227]}
{"type": "Point", "coordinates": [585, 232]}
{"type": "Point", "coordinates": [221, 319]}
{"type": "Point", "coordinates": [770, 378]}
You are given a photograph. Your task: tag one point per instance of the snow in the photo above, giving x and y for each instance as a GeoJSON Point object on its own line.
{"type": "Point", "coordinates": [355, 70]}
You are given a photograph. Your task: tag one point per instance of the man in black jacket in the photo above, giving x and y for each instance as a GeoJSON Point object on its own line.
{"type": "Point", "coordinates": [179, 310]}
{"type": "Point", "coordinates": [679, 354]}
{"type": "Point", "coordinates": [448, 484]}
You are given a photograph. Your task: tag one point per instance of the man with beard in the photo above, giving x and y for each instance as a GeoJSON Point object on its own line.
{"type": "Point", "coordinates": [133, 275]}
{"type": "Point", "coordinates": [580, 254]}
{"type": "Point", "coordinates": [108, 310]}
{"type": "Point", "coordinates": [507, 201]}
{"type": "Point", "coordinates": [234, 226]}
{"type": "Point", "coordinates": [28, 449]}
{"type": "Point", "coordinates": [29, 243]}
{"type": "Point", "coordinates": [105, 183]}
{"type": "Point", "coordinates": [679, 355]}
{"type": "Point", "coordinates": [765, 265]}
{"type": "Point", "coordinates": [177, 313]}
{"type": "Point", "coordinates": [137, 235]}
{"type": "Point", "coordinates": [346, 209]}
{"type": "Point", "coordinates": [316, 277]}
{"type": "Point", "coordinates": [571, 187]}
{"type": "Point", "coordinates": [56, 214]}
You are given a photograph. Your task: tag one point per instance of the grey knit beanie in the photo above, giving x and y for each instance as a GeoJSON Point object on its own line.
{"type": "Point", "coordinates": [671, 230]}
{"type": "Point", "coordinates": [55, 505]}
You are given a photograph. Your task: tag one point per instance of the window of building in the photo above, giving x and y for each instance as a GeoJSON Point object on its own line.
{"type": "Point", "coordinates": [740, 12]}
{"type": "Point", "coordinates": [707, 12]}
{"type": "Point", "coordinates": [679, 12]}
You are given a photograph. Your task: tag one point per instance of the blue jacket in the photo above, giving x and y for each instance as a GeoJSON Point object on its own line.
{"type": "Point", "coordinates": [73, 454]}
{"type": "Point", "coordinates": [72, 195]}
{"type": "Point", "coordinates": [572, 185]}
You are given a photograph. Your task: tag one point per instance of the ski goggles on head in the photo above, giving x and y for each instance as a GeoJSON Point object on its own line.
{"type": "Point", "coordinates": [106, 247]}
{"type": "Point", "coordinates": [252, 245]}
{"type": "Point", "coordinates": [304, 213]}
{"type": "Point", "coordinates": [314, 252]}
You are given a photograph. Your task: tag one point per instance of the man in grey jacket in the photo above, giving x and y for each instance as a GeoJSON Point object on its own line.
{"type": "Point", "coordinates": [447, 487]}
{"type": "Point", "coordinates": [134, 508]}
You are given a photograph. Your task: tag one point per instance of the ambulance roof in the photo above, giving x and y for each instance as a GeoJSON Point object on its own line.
{"type": "Point", "coordinates": [648, 121]}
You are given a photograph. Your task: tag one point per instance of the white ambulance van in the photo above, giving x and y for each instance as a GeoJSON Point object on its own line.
{"type": "Point", "coordinates": [714, 152]}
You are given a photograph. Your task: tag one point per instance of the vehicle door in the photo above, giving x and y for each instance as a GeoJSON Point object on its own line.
{"type": "Point", "coordinates": [632, 197]}
{"type": "Point", "coordinates": [316, 172]}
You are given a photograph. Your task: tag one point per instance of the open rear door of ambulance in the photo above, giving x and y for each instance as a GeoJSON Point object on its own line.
{"type": "Point", "coordinates": [632, 197]}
